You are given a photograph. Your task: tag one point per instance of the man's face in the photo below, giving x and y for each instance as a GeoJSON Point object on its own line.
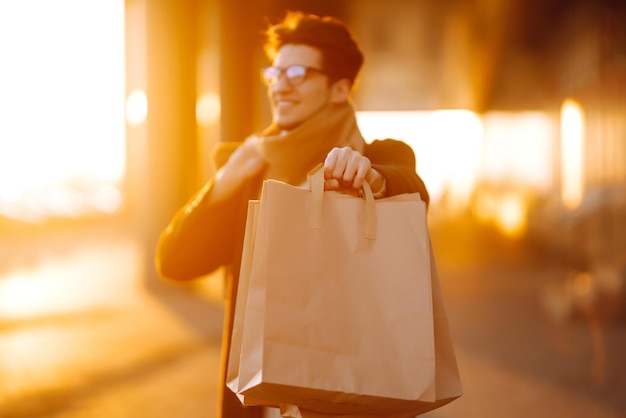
{"type": "Point", "coordinates": [293, 104]}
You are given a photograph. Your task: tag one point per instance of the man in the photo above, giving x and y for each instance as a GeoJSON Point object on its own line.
{"type": "Point", "coordinates": [315, 63]}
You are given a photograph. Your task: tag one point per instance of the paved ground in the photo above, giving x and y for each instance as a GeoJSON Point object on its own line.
{"type": "Point", "coordinates": [520, 354]}
{"type": "Point", "coordinates": [82, 337]}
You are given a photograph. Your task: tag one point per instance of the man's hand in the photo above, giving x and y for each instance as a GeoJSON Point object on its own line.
{"type": "Point", "coordinates": [345, 170]}
{"type": "Point", "coordinates": [243, 164]}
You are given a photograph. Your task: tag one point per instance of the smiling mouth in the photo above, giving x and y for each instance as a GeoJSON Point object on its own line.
{"type": "Point", "coordinates": [284, 103]}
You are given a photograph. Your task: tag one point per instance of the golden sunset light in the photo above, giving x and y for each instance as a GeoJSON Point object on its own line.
{"type": "Point", "coordinates": [61, 103]}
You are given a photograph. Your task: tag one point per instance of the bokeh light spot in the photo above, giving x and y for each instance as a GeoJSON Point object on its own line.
{"type": "Point", "coordinates": [136, 107]}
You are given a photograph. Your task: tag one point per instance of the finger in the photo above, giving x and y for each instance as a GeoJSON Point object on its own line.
{"type": "Point", "coordinates": [332, 184]}
{"type": "Point", "coordinates": [341, 163]}
{"type": "Point", "coordinates": [352, 166]}
{"type": "Point", "coordinates": [329, 163]}
{"type": "Point", "coordinates": [360, 168]}
{"type": "Point", "coordinates": [363, 168]}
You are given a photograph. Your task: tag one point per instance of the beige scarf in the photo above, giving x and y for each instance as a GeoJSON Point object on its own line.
{"type": "Point", "coordinates": [292, 154]}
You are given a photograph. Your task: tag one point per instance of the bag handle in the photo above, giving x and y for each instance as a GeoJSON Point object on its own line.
{"type": "Point", "coordinates": [316, 186]}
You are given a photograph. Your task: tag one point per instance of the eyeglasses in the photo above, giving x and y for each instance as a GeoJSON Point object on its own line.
{"type": "Point", "coordinates": [295, 74]}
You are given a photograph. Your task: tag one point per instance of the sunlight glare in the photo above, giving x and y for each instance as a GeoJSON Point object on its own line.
{"type": "Point", "coordinates": [446, 145]}
{"type": "Point", "coordinates": [136, 108]}
{"type": "Point", "coordinates": [506, 211]}
{"type": "Point", "coordinates": [208, 108]}
{"type": "Point", "coordinates": [72, 281]}
{"type": "Point", "coordinates": [511, 215]}
{"type": "Point", "coordinates": [572, 149]}
{"type": "Point", "coordinates": [518, 150]}
{"type": "Point", "coordinates": [460, 133]}
{"type": "Point", "coordinates": [61, 95]}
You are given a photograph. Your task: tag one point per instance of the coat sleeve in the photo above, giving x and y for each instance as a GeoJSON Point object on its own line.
{"type": "Point", "coordinates": [395, 160]}
{"type": "Point", "coordinates": [202, 235]}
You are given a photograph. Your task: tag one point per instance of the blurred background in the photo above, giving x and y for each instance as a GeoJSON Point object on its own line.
{"type": "Point", "coordinates": [109, 110]}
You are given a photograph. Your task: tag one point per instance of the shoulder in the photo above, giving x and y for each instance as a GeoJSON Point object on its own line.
{"type": "Point", "coordinates": [390, 150]}
{"type": "Point", "coordinates": [387, 145]}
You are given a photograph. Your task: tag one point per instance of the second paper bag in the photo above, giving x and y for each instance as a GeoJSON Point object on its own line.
{"type": "Point", "coordinates": [342, 292]}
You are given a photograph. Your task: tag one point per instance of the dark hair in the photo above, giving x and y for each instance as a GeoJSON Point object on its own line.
{"type": "Point", "coordinates": [341, 56]}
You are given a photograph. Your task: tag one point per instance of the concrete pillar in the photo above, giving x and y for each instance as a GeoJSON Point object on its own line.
{"type": "Point", "coordinates": [239, 53]}
{"type": "Point", "coordinates": [162, 152]}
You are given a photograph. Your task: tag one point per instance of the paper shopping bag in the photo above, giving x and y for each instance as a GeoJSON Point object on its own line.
{"type": "Point", "coordinates": [339, 313]}
{"type": "Point", "coordinates": [232, 374]}
{"type": "Point", "coordinates": [447, 381]}
{"type": "Point", "coordinates": [447, 378]}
